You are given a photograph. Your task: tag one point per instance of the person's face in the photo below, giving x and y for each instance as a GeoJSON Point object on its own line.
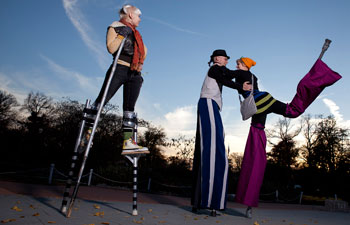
{"type": "Point", "coordinates": [135, 19]}
{"type": "Point", "coordinates": [241, 66]}
{"type": "Point", "coordinates": [221, 60]}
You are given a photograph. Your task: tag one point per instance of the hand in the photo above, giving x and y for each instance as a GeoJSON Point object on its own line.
{"type": "Point", "coordinates": [140, 67]}
{"type": "Point", "coordinates": [125, 31]}
{"type": "Point", "coordinates": [247, 86]}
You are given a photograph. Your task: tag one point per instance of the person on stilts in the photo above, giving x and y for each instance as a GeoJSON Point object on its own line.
{"type": "Point", "coordinates": [210, 165]}
{"type": "Point", "coordinates": [254, 160]}
{"type": "Point", "coordinates": [127, 73]}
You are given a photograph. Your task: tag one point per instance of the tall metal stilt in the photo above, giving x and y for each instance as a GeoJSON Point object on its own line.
{"type": "Point", "coordinates": [134, 158]}
{"type": "Point", "coordinates": [74, 161]}
{"type": "Point", "coordinates": [93, 130]}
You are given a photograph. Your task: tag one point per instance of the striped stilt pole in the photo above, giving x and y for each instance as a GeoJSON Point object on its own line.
{"type": "Point", "coordinates": [74, 162]}
{"type": "Point", "coordinates": [134, 160]}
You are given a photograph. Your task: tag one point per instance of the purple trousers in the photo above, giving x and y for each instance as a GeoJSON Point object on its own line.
{"type": "Point", "coordinates": [254, 159]}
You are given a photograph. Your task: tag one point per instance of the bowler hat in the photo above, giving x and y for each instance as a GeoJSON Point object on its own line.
{"type": "Point", "coordinates": [219, 52]}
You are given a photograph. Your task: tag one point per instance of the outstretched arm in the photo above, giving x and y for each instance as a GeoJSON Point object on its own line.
{"type": "Point", "coordinates": [219, 73]}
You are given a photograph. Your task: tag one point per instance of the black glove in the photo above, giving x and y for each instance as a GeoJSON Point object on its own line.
{"type": "Point", "coordinates": [124, 31]}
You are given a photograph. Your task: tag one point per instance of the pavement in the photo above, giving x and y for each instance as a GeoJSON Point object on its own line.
{"type": "Point", "coordinates": [31, 204]}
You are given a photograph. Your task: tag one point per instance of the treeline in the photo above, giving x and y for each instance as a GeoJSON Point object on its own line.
{"type": "Point", "coordinates": [41, 131]}
{"type": "Point", "coordinates": [318, 165]}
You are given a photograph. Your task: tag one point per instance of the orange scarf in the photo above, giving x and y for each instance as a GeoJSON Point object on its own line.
{"type": "Point", "coordinates": [139, 49]}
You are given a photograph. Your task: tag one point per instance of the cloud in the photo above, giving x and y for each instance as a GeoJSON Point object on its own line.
{"type": "Point", "coordinates": [83, 82]}
{"type": "Point", "coordinates": [9, 86]}
{"type": "Point", "coordinates": [174, 27]}
{"type": "Point", "coordinates": [79, 22]}
{"type": "Point", "coordinates": [182, 121]}
{"type": "Point", "coordinates": [333, 108]}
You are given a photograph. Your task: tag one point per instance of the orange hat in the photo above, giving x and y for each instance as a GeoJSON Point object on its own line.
{"type": "Point", "coordinates": [248, 62]}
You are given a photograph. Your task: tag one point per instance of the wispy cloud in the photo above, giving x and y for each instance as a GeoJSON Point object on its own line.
{"type": "Point", "coordinates": [79, 22]}
{"type": "Point", "coordinates": [6, 84]}
{"type": "Point", "coordinates": [82, 81]}
{"type": "Point", "coordinates": [174, 27]}
{"type": "Point", "coordinates": [333, 108]}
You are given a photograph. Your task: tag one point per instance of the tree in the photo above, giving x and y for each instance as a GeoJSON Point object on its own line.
{"type": "Point", "coordinates": [7, 114]}
{"type": "Point", "coordinates": [330, 145]}
{"type": "Point", "coordinates": [184, 147]}
{"type": "Point", "coordinates": [285, 152]}
{"type": "Point", "coordinates": [38, 104]}
{"type": "Point", "coordinates": [235, 160]}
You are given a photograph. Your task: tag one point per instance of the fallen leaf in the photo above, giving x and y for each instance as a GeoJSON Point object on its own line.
{"type": "Point", "coordinates": [51, 222]}
{"type": "Point", "coordinates": [18, 202]}
{"type": "Point", "coordinates": [16, 209]}
{"type": "Point", "coordinates": [96, 206]}
{"type": "Point", "coordinates": [21, 216]}
{"type": "Point", "coordinates": [150, 210]}
{"type": "Point", "coordinates": [218, 221]}
{"type": "Point", "coordinates": [99, 214]}
{"type": "Point", "coordinates": [155, 217]}
{"type": "Point", "coordinates": [256, 223]}
{"type": "Point", "coordinates": [196, 218]}
{"type": "Point", "coordinates": [106, 223]}
{"type": "Point", "coordinates": [8, 220]}
{"type": "Point", "coordinates": [31, 206]}
{"type": "Point", "coordinates": [162, 221]}
{"type": "Point", "coordinates": [137, 221]}
{"type": "Point", "coordinates": [36, 214]}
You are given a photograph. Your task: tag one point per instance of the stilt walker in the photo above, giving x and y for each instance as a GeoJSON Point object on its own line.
{"type": "Point", "coordinates": [125, 43]}
{"type": "Point", "coordinates": [210, 165]}
{"type": "Point", "coordinates": [254, 160]}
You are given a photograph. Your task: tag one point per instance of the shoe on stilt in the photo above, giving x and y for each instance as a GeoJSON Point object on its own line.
{"type": "Point", "coordinates": [249, 212]}
{"type": "Point", "coordinates": [213, 213]}
{"type": "Point", "coordinates": [130, 147]}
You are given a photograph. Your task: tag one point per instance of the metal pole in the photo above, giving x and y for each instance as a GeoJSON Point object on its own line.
{"type": "Point", "coordinates": [90, 176]}
{"type": "Point", "coordinates": [301, 197]}
{"type": "Point", "coordinates": [75, 192]}
{"type": "Point", "coordinates": [73, 163]}
{"type": "Point", "coordinates": [52, 167]}
{"type": "Point", "coordinates": [149, 184]}
{"type": "Point", "coordinates": [134, 206]}
{"type": "Point", "coordinates": [325, 46]}
{"type": "Point", "coordinates": [134, 160]}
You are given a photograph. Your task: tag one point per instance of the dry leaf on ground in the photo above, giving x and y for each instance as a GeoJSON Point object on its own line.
{"type": "Point", "coordinates": [16, 209]}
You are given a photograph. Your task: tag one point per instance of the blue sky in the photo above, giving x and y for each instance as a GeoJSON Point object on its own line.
{"type": "Point", "coordinates": [58, 48]}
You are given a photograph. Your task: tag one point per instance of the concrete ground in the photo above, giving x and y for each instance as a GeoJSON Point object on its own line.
{"type": "Point", "coordinates": [30, 204]}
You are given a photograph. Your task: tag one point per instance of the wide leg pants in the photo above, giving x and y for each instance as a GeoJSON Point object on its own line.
{"type": "Point", "coordinates": [210, 164]}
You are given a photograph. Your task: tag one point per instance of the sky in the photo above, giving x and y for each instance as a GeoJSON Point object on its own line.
{"type": "Point", "coordinates": [58, 48]}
